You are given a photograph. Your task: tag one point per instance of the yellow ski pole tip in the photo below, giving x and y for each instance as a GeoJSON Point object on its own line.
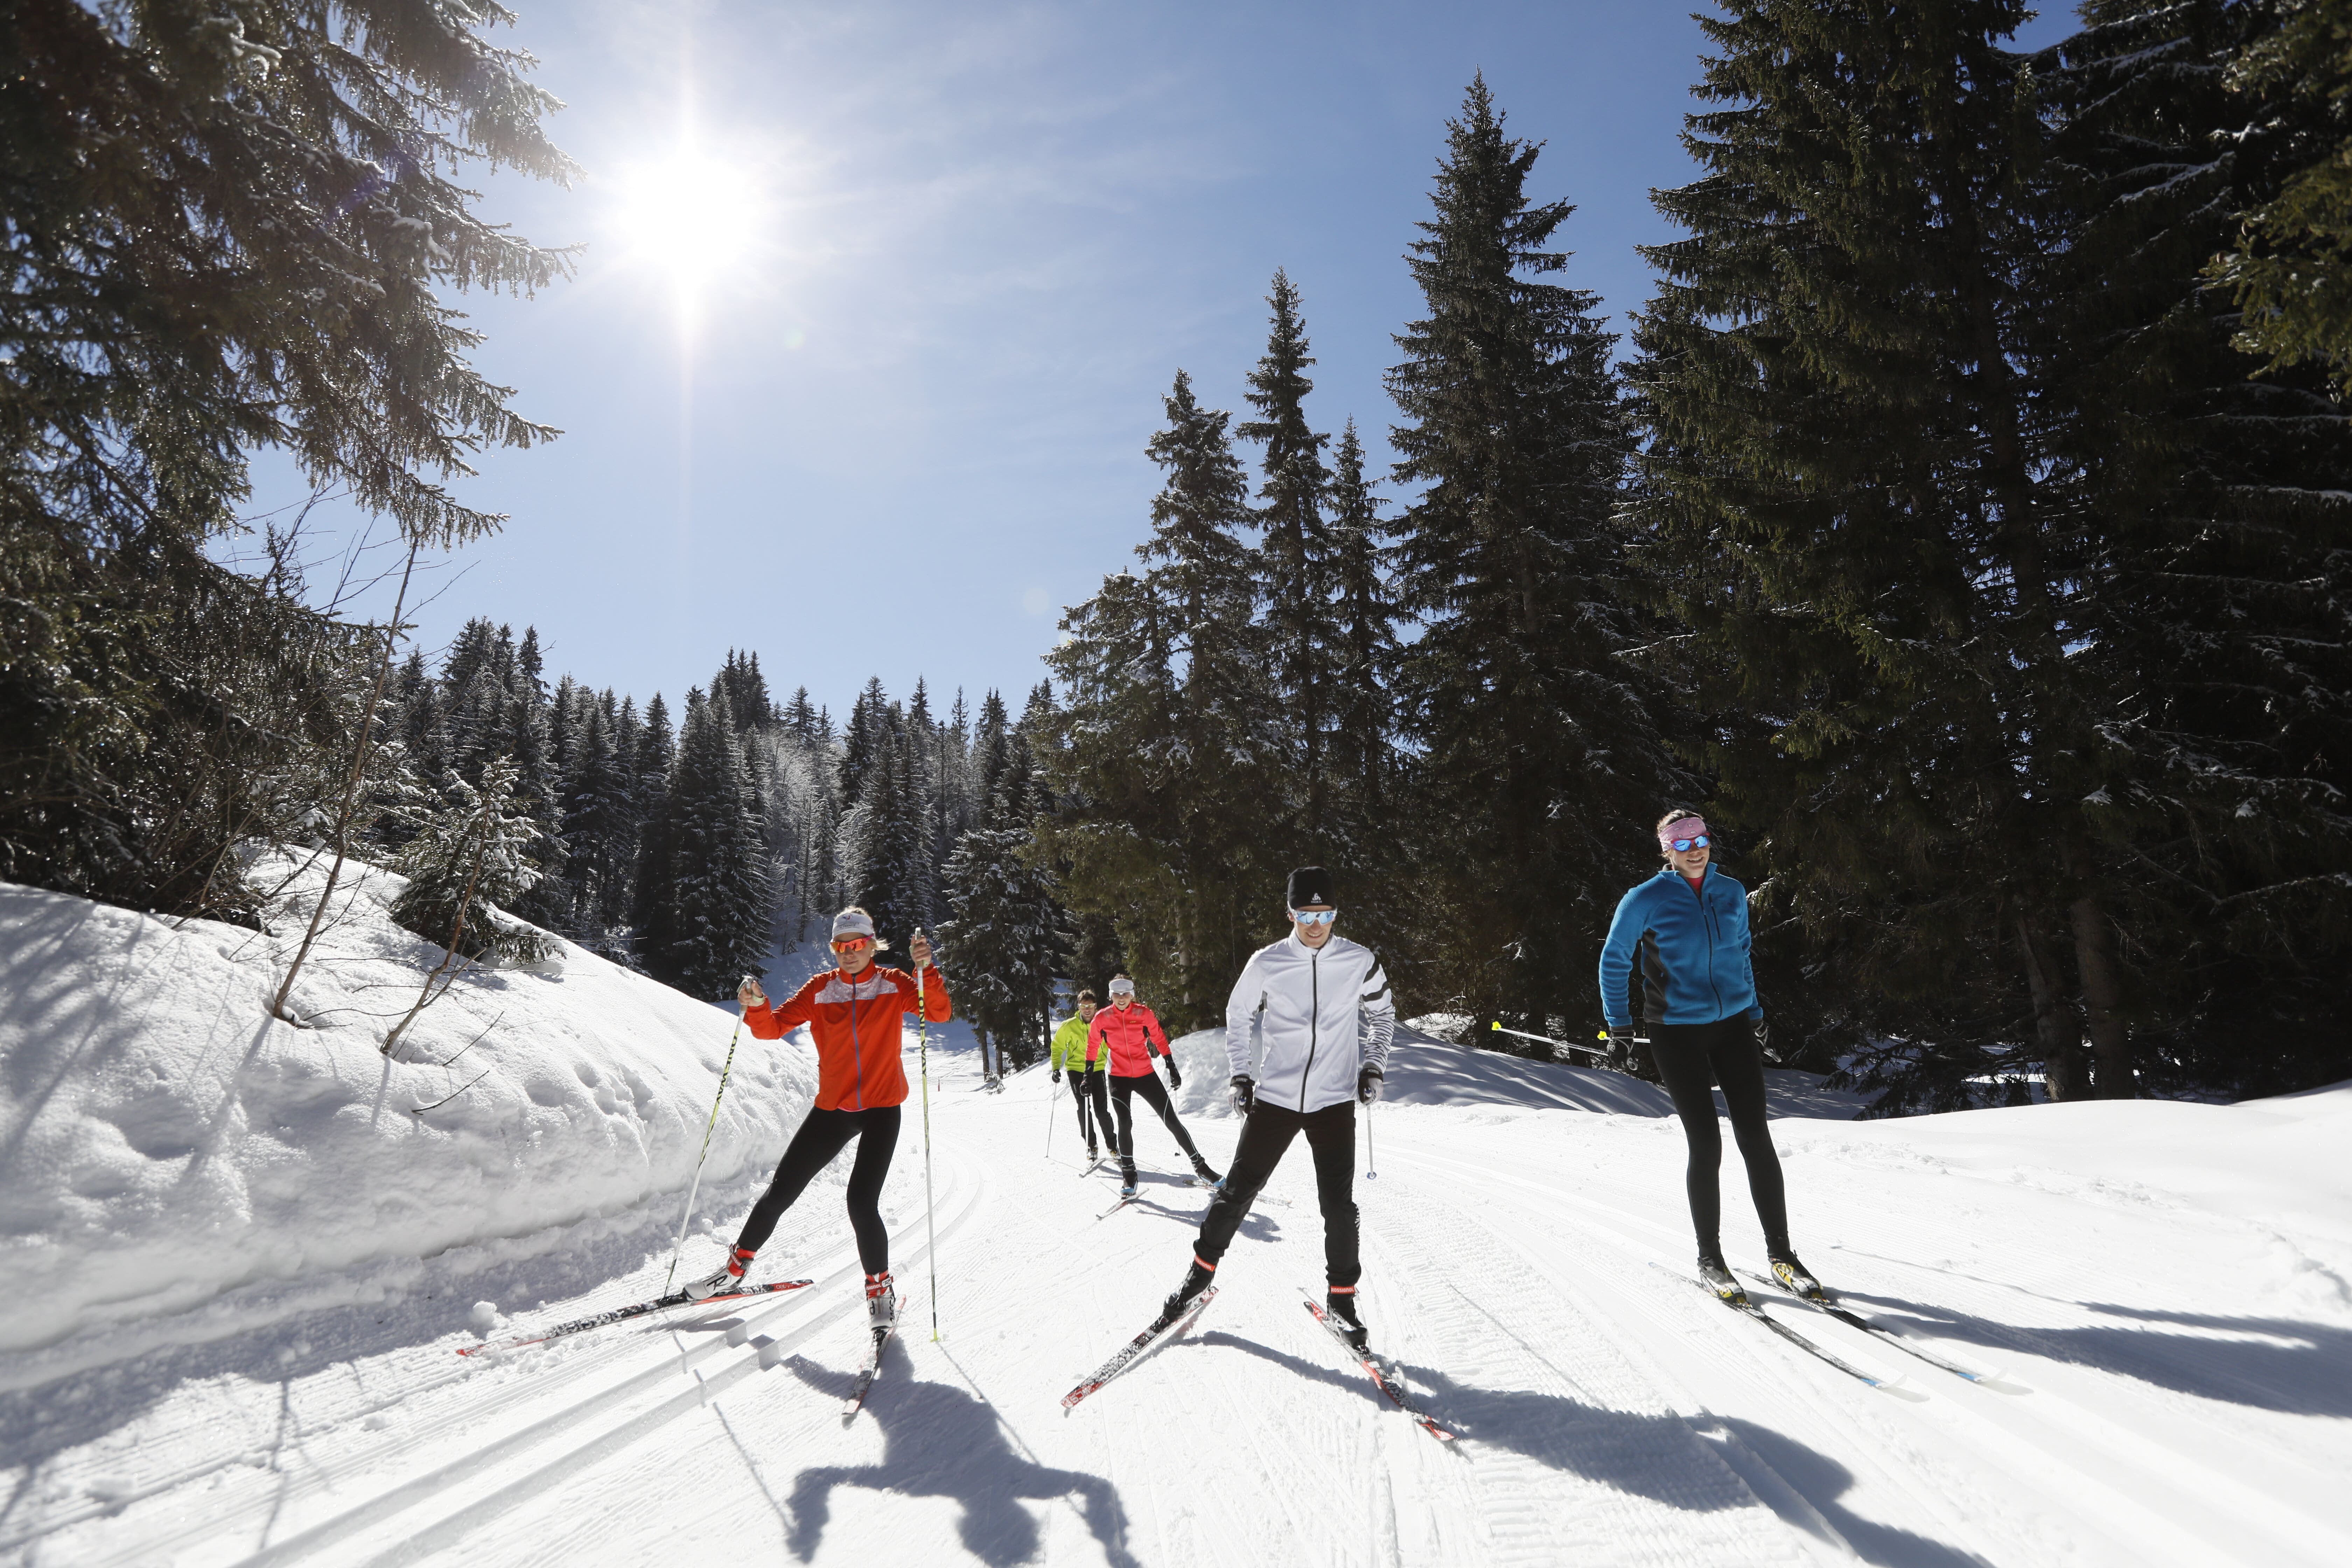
{"type": "Point", "coordinates": [1496, 1025]}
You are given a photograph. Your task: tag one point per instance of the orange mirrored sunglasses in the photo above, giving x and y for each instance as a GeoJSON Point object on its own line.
{"type": "Point", "coordinates": [852, 943]}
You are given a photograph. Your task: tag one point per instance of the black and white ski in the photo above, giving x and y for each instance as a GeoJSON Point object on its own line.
{"type": "Point", "coordinates": [1828, 1304]}
{"type": "Point", "coordinates": [1383, 1377]}
{"type": "Point", "coordinates": [1115, 1207]}
{"type": "Point", "coordinates": [866, 1375]}
{"type": "Point", "coordinates": [622, 1314]}
{"type": "Point", "coordinates": [1748, 1309]}
{"type": "Point", "coordinates": [1140, 1346]}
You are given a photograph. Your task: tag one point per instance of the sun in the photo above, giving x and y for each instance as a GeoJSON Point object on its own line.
{"type": "Point", "coordinates": [687, 219]}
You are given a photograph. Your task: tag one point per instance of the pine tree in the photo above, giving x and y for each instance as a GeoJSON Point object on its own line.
{"type": "Point", "coordinates": [1365, 653]}
{"type": "Point", "coordinates": [1541, 763]}
{"type": "Point", "coordinates": [463, 858]}
{"type": "Point", "coordinates": [600, 830]}
{"type": "Point", "coordinates": [890, 870]}
{"type": "Point", "coordinates": [650, 929]}
{"type": "Point", "coordinates": [1004, 937]}
{"type": "Point", "coordinates": [2200, 508]}
{"type": "Point", "coordinates": [1295, 565]}
{"type": "Point", "coordinates": [718, 913]}
{"type": "Point", "coordinates": [1163, 758]}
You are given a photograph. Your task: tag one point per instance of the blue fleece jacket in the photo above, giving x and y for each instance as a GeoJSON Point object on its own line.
{"type": "Point", "coordinates": [1693, 948]}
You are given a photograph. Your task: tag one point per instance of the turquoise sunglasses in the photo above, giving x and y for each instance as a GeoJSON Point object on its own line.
{"type": "Point", "coordinates": [1315, 916]}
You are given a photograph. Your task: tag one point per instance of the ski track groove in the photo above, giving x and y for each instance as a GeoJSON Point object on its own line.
{"type": "Point", "coordinates": [1993, 1439]}
{"type": "Point", "coordinates": [515, 1447]}
{"type": "Point", "coordinates": [1515, 1493]}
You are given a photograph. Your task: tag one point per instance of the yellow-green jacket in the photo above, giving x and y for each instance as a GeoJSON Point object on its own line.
{"type": "Point", "coordinates": [1069, 1050]}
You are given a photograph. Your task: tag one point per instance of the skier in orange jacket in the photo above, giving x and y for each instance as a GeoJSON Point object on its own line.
{"type": "Point", "coordinates": [855, 1013]}
{"type": "Point", "coordinates": [1127, 1035]}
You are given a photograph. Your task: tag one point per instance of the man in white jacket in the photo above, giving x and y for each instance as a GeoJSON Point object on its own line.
{"type": "Point", "coordinates": [1307, 1032]}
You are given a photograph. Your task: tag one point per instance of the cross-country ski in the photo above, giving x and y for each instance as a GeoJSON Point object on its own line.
{"type": "Point", "coordinates": [1657, 699]}
{"type": "Point", "coordinates": [641, 1309]}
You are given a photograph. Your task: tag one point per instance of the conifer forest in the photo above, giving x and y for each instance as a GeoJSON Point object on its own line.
{"type": "Point", "coordinates": [1964, 525]}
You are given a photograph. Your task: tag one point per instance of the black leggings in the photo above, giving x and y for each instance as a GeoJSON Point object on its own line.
{"type": "Point", "coordinates": [1687, 1054]}
{"type": "Point", "coordinates": [1332, 1138]}
{"type": "Point", "coordinates": [1155, 1094]}
{"type": "Point", "coordinates": [1087, 1088]}
{"type": "Point", "coordinates": [821, 1137]}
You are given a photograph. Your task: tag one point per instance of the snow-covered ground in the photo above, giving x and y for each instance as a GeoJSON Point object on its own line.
{"type": "Point", "coordinates": [2160, 1289]}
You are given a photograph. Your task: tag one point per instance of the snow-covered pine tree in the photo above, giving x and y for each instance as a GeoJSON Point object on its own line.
{"type": "Point", "coordinates": [1003, 939]}
{"type": "Point", "coordinates": [1293, 568]}
{"type": "Point", "coordinates": [463, 856]}
{"type": "Point", "coordinates": [1541, 764]}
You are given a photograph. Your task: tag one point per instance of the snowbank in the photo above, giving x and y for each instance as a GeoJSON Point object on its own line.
{"type": "Point", "coordinates": [164, 1141]}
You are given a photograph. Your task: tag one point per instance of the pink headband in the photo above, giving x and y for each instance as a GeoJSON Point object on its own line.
{"type": "Point", "coordinates": [1681, 827]}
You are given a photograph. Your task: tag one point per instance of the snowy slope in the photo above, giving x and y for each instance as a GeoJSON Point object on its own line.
{"type": "Point", "coordinates": [175, 1165]}
{"type": "Point", "coordinates": [2160, 1287]}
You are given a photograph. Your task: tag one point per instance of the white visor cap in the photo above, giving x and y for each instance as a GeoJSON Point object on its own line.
{"type": "Point", "coordinates": [852, 922]}
{"type": "Point", "coordinates": [1122, 987]}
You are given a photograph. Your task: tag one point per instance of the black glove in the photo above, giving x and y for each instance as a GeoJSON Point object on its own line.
{"type": "Point", "coordinates": [1244, 1093]}
{"type": "Point", "coordinates": [1057, 1075]}
{"type": "Point", "coordinates": [1368, 1083]}
{"type": "Point", "coordinates": [1175, 1078]}
{"type": "Point", "coordinates": [1621, 1035]}
{"type": "Point", "coordinates": [1762, 1029]}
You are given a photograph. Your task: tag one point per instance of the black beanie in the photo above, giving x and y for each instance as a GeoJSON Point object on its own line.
{"type": "Point", "coordinates": [1311, 885]}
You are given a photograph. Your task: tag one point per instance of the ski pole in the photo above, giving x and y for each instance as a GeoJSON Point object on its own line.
{"type": "Point", "coordinates": [1371, 1158]}
{"type": "Point", "coordinates": [923, 1060]}
{"type": "Point", "coordinates": [697, 1187]}
{"type": "Point", "coordinates": [1053, 1093]}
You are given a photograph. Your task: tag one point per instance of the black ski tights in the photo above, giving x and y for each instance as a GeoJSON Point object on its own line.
{"type": "Point", "coordinates": [1687, 1054]}
{"type": "Point", "coordinates": [1087, 1089]}
{"type": "Point", "coordinates": [1153, 1093]}
{"type": "Point", "coordinates": [1331, 1135]}
{"type": "Point", "coordinates": [821, 1137]}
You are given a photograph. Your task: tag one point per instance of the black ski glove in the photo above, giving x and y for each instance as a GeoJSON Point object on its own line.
{"type": "Point", "coordinates": [1175, 1078]}
{"type": "Point", "coordinates": [1368, 1083]}
{"type": "Point", "coordinates": [1244, 1093]}
{"type": "Point", "coordinates": [1057, 1075]}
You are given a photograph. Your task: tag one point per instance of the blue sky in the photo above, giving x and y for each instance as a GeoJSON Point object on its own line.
{"type": "Point", "coordinates": [947, 258]}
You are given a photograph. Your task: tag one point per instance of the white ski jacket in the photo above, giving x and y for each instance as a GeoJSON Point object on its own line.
{"type": "Point", "coordinates": [1303, 1021]}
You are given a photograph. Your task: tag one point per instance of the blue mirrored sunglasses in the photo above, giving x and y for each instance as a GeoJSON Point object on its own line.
{"type": "Point", "coordinates": [1315, 916]}
{"type": "Point", "coordinates": [1684, 843]}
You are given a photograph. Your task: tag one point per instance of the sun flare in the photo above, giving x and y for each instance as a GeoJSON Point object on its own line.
{"type": "Point", "coordinates": [687, 219]}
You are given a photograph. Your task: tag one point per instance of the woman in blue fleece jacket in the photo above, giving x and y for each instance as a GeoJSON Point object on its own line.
{"type": "Point", "coordinates": [1687, 928]}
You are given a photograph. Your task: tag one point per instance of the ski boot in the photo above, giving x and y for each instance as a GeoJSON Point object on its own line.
{"type": "Point", "coordinates": [1126, 1178]}
{"type": "Point", "coordinates": [727, 1276]}
{"type": "Point", "coordinates": [1196, 1279]}
{"type": "Point", "coordinates": [1794, 1275]}
{"type": "Point", "coordinates": [881, 1302]}
{"type": "Point", "coordinates": [1719, 1279]}
{"type": "Point", "coordinates": [1209, 1177]}
{"type": "Point", "coordinates": [1341, 1303]}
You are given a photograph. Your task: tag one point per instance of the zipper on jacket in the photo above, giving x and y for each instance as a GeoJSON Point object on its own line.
{"type": "Point", "coordinates": [856, 1055]}
{"type": "Point", "coordinates": [1313, 1021]}
{"type": "Point", "coordinates": [1707, 920]}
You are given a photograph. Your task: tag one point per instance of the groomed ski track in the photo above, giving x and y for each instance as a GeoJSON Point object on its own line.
{"type": "Point", "coordinates": [2146, 1413]}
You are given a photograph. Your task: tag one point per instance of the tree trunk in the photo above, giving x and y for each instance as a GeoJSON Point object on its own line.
{"type": "Point", "coordinates": [2103, 998]}
{"type": "Point", "coordinates": [2064, 1072]}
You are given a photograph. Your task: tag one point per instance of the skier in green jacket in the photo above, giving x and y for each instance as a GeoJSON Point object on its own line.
{"type": "Point", "coordinates": [1068, 1054]}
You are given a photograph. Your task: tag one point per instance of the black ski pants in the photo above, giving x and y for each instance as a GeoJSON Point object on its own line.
{"type": "Point", "coordinates": [1087, 1088]}
{"type": "Point", "coordinates": [1688, 1056]}
{"type": "Point", "coordinates": [824, 1134]}
{"type": "Point", "coordinates": [1266, 1136]}
{"type": "Point", "coordinates": [1154, 1094]}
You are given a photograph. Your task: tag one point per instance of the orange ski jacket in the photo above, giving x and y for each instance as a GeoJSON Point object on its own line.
{"type": "Point", "coordinates": [856, 1026]}
{"type": "Point", "coordinates": [1130, 1036]}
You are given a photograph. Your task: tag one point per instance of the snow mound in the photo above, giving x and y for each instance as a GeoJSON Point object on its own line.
{"type": "Point", "coordinates": [165, 1142]}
